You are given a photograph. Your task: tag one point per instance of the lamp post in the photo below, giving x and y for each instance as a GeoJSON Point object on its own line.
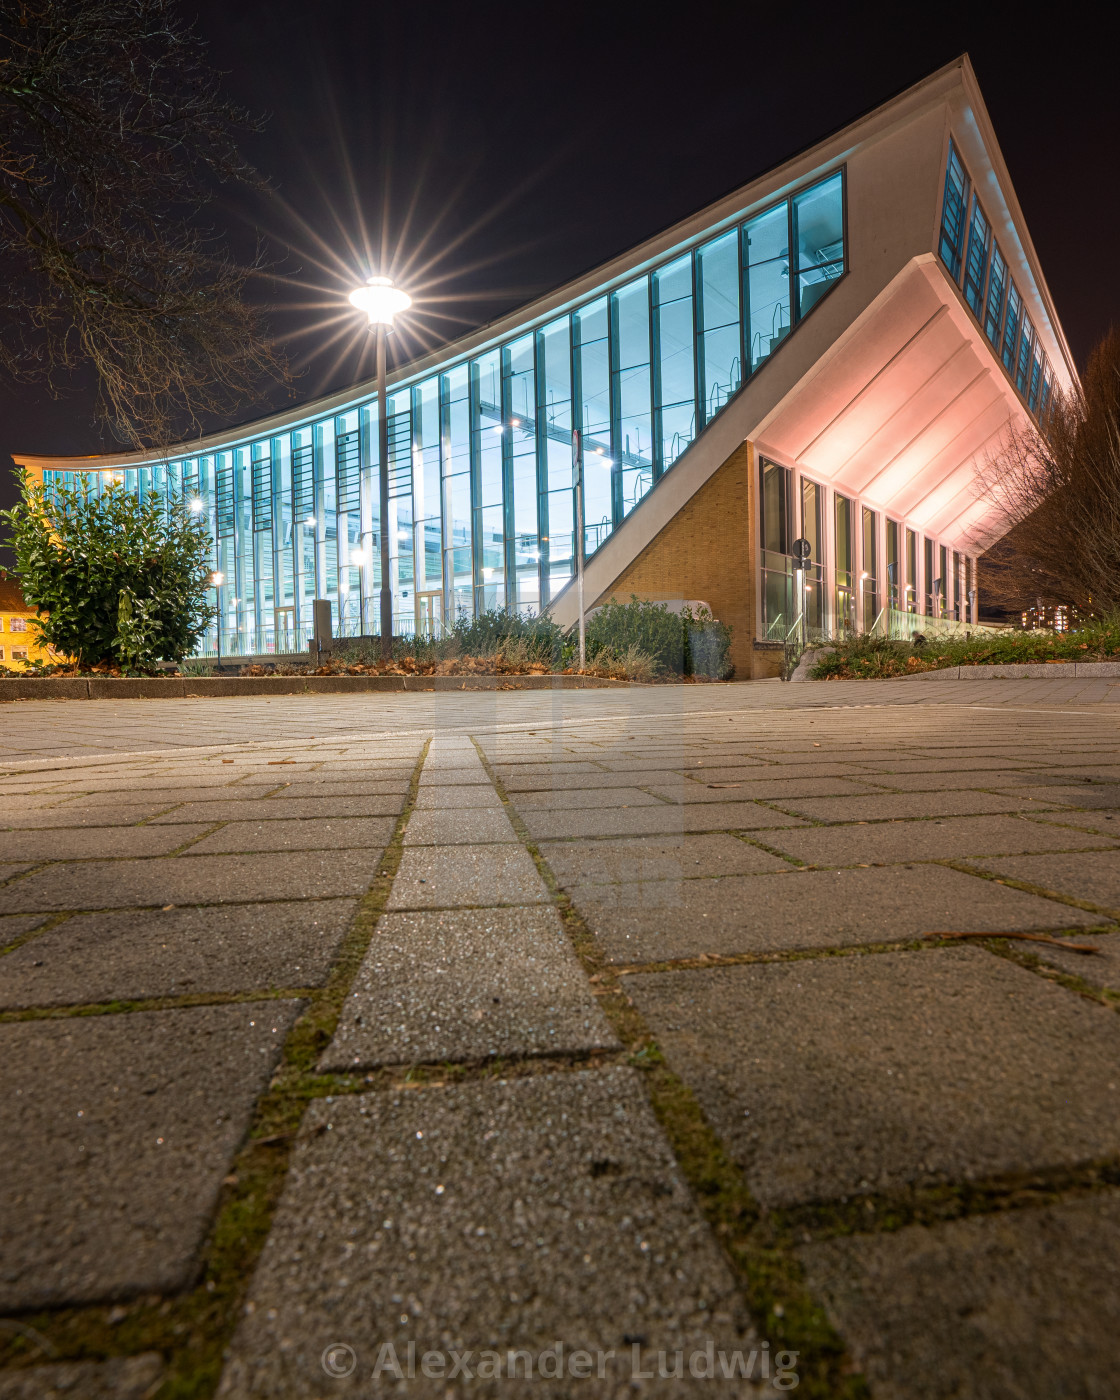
{"type": "Point", "coordinates": [381, 301]}
{"type": "Point", "coordinates": [217, 579]}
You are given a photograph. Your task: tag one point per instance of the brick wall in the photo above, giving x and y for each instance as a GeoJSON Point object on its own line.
{"type": "Point", "coordinates": [706, 552]}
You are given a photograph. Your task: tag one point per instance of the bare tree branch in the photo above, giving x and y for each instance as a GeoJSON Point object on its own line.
{"type": "Point", "coordinates": [1059, 486]}
{"type": "Point", "coordinates": [113, 134]}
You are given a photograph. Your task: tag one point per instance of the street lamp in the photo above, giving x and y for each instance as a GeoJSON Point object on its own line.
{"type": "Point", "coordinates": [217, 579]}
{"type": "Point", "coordinates": [381, 301]}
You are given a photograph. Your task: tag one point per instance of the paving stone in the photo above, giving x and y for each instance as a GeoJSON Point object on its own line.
{"type": "Point", "coordinates": [453, 777]}
{"type": "Point", "coordinates": [664, 818]}
{"type": "Point", "coordinates": [831, 1076]}
{"type": "Point", "coordinates": [167, 797]}
{"type": "Point", "coordinates": [88, 843]}
{"type": "Point", "coordinates": [173, 952]}
{"type": "Point", "coordinates": [468, 795]}
{"type": "Point", "coordinates": [461, 826]}
{"type": "Point", "coordinates": [51, 818]}
{"type": "Point", "coordinates": [884, 843]}
{"type": "Point", "coordinates": [392, 801]}
{"type": "Point", "coordinates": [1093, 876]}
{"type": "Point", "coordinates": [562, 779]}
{"type": "Point", "coordinates": [309, 834]}
{"type": "Point", "coordinates": [659, 920]}
{"type": "Point", "coordinates": [1023, 1303]}
{"type": "Point", "coordinates": [13, 926]}
{"type": "Point", "coordinates": [464, 985]}
{"type": "Point", "coordinates": [1091, 796]}
{"type": "Point", "coordinates": [126, 1125]}
{"type": "Point", "coordinates": [434, 878]}
{"type": "Point", "coordinates": [1102, 970]}
{"type": "Point", "coordinates": [237, 879]}
{"type": "Point", "coordinates": [10, 868]}
{"type": "Point", "coordinates": [891, 806]}
{"type": "Point", "coordinates": [603, 862]}
{"type": "Point", "coordinates": [122, 1378]}
{"type": "Point", "coordinates": [285, 809]}
{"type": "Point", "coordinates": [486, 1215]}
{"type": "Point", "coordinates": [567, 799]}
{"type": "Point", "coordinates": [762, 789]}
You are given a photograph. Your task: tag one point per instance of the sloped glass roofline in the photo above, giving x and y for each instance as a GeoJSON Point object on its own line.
{"type": "Point", "coordinates": [481, 506]}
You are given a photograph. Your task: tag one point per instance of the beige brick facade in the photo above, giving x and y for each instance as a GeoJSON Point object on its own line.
{"type": "Point", "coordinates": [705, 552]}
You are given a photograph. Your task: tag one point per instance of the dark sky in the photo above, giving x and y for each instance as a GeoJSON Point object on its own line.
{"type": "Point", "coordinates": [535, 141]}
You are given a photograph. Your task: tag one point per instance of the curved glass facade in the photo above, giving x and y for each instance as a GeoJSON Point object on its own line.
{"type": "Point", "coordinates": [481, 503]}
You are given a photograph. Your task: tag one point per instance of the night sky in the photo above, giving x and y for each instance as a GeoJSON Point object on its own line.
{"type": "Point", "coordinates": [523, 144]}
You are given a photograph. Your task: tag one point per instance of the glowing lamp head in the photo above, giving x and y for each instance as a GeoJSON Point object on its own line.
{"type": "Point", "coordinates": [380, 300]}
{"type": "Point", "coordinates": [196, 505]}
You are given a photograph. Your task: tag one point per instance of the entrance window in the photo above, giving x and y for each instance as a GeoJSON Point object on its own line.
{"type": "Point", "coordinates": [812, 517]}
{"type": "Point", "coordinates": [869, 576]}
{"type": "Point", "coordinates": [910, 588]}
{"type": "Point", "coordinates": [779, 610]}
{"type": "Point", "coordinates": [894, 566]}
{"type": "Point", "coordinates": [845, 602]}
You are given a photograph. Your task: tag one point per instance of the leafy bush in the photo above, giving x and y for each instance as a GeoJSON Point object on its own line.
{"type": "Point", "coordinates": [116, 580]}
{"type": "Point", "coordinates": [650, 627]}
{"type": "Point", "coordinates": [879, 657]}
{"type": "Point", "coordinates": [489, 631]}
{"type": "Point", "coordinates": [676, 644]}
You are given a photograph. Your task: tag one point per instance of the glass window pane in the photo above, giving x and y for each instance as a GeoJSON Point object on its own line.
{"type": "Point", "coordinates": [1026, 346]}
{"type": "Point", "coordinates": [951, 243]}
{"type": "Point", "coordinates": [593, 360]}
{"type": "Point", "coordinates": [675, 377]}
{"type": "Point", "coordinates": [634, 434]}
{"type": "Point", "coordinates": [869, 575]}
{"type": "Point", "coordinates": [767, 283]}
{"type": "Point", "coordinates": [1011, 322]}
{"type": "Point", "coordinates": [818, 220]}
{"type": "Point", "coordinates": [845, 605]}
{"type": "Point", "coordinates": [775, 508]}
{"type": "Point", "coordinates": [720, 358]}
{"type": "Point", "coordinates": [976, 263]}
{"type": "Point", "coordinates": [993, 303]}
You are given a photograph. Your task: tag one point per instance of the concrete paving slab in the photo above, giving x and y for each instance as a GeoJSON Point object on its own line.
{"type": "Point", "coordinates": [571, 799]}
{"type": "Point", "coordinates": [87, 843]}
{"type": "Point", "coordinates": [457, 797]}
{"type": "Point", "coordinates": [174, 952]}
{"type": "Point", "coordinates": [831, 1076]}
{"type": "Point", "coordinates": [8, 869]}
{"type": "Point", "coordinates": [1100, 823]}
{"type": "Point", "coordinates": [284, 809]}
{"type": "Point", "coordinates": [1025, 1303]}
{"type": "Point", "coordinates": [1088, 796]}
{"type": "Point", "coordinates": [13, 926]}
{"type": "Point", "coordinates": [167, 797]}
{"type": "Point", "coordinates": [693, 789]}
{"type": "Point", "coordinates": [636, 859]}
{"type": "Point", "coordinates": [309, 834]}
{"type": "Point", "coordinates": [491, 1215]}
{"type": "Point", "coordinates": [890, 807]}
{"type": "Point", "coordinates": [665, 919]}
{"type": "Point", "coordinates": [236, 879]}
{"type": "Point", "coordinates": [944, 838]}
{"type": "Point", "coordinates": [122, 1378]}
{"type": "Point", "coordinates": [465, 985]}
{"type": "Point", "coordinates": [392, 801]}
{"type": "Point", "coordinates": [665, 818]}
{"type": "Point", "coordinates": [1102, 969]}
{"type": "Point", "coordinates": [1093, 876]}
{"type": "Point", "coordinates": [126, 1126]}
{"type": "Point", "coordinates": [433, 878]}
{"type": "Point", "coordinates": [461, 826]}
{"type": "Point", "coordinates": [50, 818]}
{"type": "Point", "coordinates": [561, 780]}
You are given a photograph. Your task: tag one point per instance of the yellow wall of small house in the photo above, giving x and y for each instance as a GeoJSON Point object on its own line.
{"type": "Point", "coordinates": [706, 553]}
{"type": "Point", "coordinates": [28, 639]}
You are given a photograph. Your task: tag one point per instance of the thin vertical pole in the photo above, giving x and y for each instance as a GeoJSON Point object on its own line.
{"type": "Point", "coordinates": [577, 463]}
{"type": "Point", "coordinates": [383, 463]}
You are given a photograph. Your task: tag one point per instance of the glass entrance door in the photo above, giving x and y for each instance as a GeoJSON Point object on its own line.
{"type": "Point", "coordinates": [285, 634]}
{"type": "Point", "coordinates": [429, 614]}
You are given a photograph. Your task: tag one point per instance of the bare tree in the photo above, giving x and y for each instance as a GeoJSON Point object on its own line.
{"type": "Point", "coordinates": [1059, 486]}
{"type": "Point", "coordinates": [113, 133]}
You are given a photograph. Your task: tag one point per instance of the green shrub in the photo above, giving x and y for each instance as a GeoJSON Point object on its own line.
{"type": "Point", "coordinates": [116, 580]}
{"type": "Point", "coordinates": [650, 627]}
{"type": "Point", "coordinates": [684, 644]}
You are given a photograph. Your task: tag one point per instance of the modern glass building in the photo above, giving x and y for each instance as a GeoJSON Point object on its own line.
{"type": "Point", "coordinates": [825, 355]}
